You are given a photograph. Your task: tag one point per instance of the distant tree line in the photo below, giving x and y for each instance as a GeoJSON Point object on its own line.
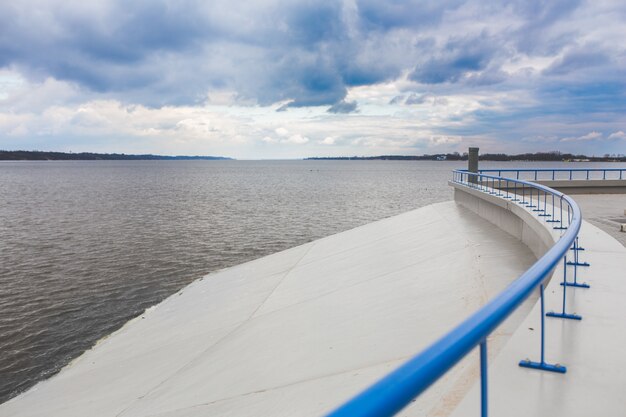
{"type": "Point", "coordinates": [89, 156]}
{"type": "Point", "coordinates": [455, 156]}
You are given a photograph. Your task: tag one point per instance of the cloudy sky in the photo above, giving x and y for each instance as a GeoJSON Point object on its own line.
{"type": "Point", "coordinates": [297, 78]}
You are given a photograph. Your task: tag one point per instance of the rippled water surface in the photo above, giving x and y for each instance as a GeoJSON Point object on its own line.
{"type": "Point", "coordinates": [86, 246]}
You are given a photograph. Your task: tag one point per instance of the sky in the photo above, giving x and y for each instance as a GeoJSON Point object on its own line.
{"type": "Point", "coordinates": [267, 79]}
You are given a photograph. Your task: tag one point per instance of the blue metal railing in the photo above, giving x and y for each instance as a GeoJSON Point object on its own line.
{"type": "Point", "coordinates": [561, 173]}
{"type": "Point", "coordinates": [397, 389]}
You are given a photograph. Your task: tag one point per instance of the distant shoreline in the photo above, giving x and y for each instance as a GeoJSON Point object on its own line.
{"type": "Point", "coordinates": [528, 157]}
{"type": "Point", "coordinates": [89, 156]}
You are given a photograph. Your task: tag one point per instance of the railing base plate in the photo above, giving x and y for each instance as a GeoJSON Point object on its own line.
{"type": "Point", "coordinates": [575, 284]}
{"type": "Point", "coordinates": [578, 263]}
{"type": "Point", "coordinates": [543, 366]}
{"type": "Point", "coordinates": [564, 316]}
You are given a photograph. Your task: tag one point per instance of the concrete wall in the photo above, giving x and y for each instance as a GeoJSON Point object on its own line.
{"type": "Point", "coordinates": [507, 216]}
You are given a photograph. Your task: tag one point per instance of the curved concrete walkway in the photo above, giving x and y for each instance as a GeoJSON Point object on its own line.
{"type": "Point", "coordinates": [300, 331]}
{"type": "Point", "coordinates": [592, 349]}
{"type": "Point", "coordinates": [606, 211]}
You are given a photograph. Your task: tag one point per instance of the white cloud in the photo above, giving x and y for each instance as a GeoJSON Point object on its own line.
{"type": "Point", "coordinates": [14, 124]}
{"type": "Point", "coordinates": [268, 139]}
{"type": "Point", "coordinates": [297, 139]}
{"type": "Point", "coordinates": [617, 135]}
{"type": "Point", "coordinates": [19, 95]}
{"type": "Point", "coordinates": [591, 136]}
{"type": "Point", "coordinates": [445, 140]}
{"type": "Point", "coordinates": [328, 140]}
{"type": "Point", "coordinates": [196, 126]}
{"type": "Point", "coordinates": [281, 131]}
{"type": "Point", "coordinates": [10, 81]}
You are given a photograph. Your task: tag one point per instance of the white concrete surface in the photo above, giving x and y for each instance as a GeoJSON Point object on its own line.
{"type": "Point", "coordinates": [298, 332]}
{"type": "Point", "coordinates": [605, 212]}
{"type": "Point", "coordinates": [592, 349]}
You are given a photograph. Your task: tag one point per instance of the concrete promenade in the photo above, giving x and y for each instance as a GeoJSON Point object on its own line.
{"type": "Point", "coordinates": [298, 332]}
{"type": "Point", "coordinates": [592, 349]}
{"type": "Point", "coordinates": [605, 211]}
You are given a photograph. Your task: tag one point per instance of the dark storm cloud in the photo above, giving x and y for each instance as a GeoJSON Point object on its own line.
{"type": "Point", "coordinates": [533, 36]}
{"type": "Point", "coordinates": [310, 23]}
{"type": "Point", "coordinates": [112, 47]}
{"type": "Point", "coordinates": [158, 52]}
{"type": "Point", "coordinates": [304, 52]}
{"type": "Point", "coordinates": [457, 58]}
{"type": "Point", "coordinates": [397, 100]}
{"type": "Point", "coordinates": [412, 14]}
{"type": "Point", "coordinates": [578, 60]}
{"type": "Point", "coordinates": [343, 107]}
{"type": "Point", "coordinates": [416, 99]}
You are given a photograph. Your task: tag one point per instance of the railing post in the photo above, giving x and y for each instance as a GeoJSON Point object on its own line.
{"type": "Point", "coordinates": [530, 199]}
{"type": "Point", "coordinates": [563, 314]}
{"type": "Point", "coordinates": [545, 205]}
{"type": "Point", "coordinates": [538, 206]}
{"type": "Point", "coordinates": [577, 245]}
{"type": "Point", "coordinates": [552, 217]}
{"type": "Point", "coordinates": [483, 379]}
{"type": "Point", "coordinates": [542, 365]}
{"type": "Point", "coordinates": [575, 264]}
{"type": "Point", "coordinates": [562, 225]}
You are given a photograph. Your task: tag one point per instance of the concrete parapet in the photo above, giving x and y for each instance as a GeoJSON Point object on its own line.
{"type": "Point", "coordinates": [508, 216]}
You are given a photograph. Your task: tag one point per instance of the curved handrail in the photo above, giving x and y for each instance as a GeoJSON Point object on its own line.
{"type": "Point", "coordinates": [546, 169]}
{"type": "Point", "coordinates": [517, 171]}
{"type": "Point", "coordinates": [397, 389]}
